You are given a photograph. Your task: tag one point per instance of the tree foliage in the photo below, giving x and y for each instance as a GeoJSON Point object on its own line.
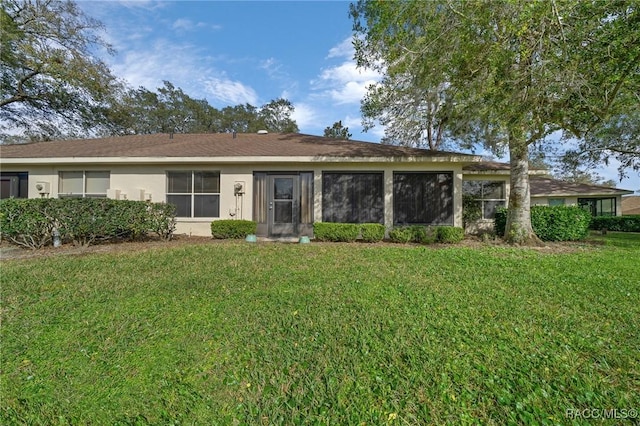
{"type": "Point", "coordinates": [515, 72]}
{"type": "Point", "coordinates": [170, 109]}
{"type": "Point", "coordinates": [51, 81]}
{"type": "Point", "coordinates": [337, 131]}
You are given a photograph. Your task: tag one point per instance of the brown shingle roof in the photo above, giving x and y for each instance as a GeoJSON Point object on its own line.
{"type": "Point", "coordinates": [545, 186]}
{"type": "Point", "coordinates": [485, 166]}
{"type": "Point", "coordinates": [496, 166]}
{"type": "Point", "coordinates": [215, 145]}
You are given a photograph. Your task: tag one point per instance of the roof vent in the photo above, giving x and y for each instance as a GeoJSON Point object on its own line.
{"type": "Point", "coordinates": [262, 132]}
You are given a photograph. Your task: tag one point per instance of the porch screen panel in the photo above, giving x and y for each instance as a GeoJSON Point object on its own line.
{"type": "Point", "coordinates": [260, 197]}
{"type": "Point", "coordinates": [306, 197]}
{"type": "Point", "coordinates": [353, 197]}
{"type": "Point", "coordinates": [424, 198]}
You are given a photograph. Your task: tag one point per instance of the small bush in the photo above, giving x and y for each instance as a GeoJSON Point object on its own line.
{"type": "Point", "coordinates": [415, 233]}
{"type": "Point", "coordinates": [402, 234]}
{"type": "Point", "coordinates": [450, 234]}
{"type": "Point", "coordinates": [552, 223]}
{"type": "Point", "coordinates": [630, 223]}
{"type": "Point", "coordinates": [372, 232]}
{"type": "Point", "coordinates": [232, 228]}
{"type": "Point", "coordinates": [337, 232]}
{"type": "Point", "coordinates": [27, 222]}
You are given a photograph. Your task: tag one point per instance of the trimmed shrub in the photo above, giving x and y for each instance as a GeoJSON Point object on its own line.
{"type": "Point", "coordinates": [552, 223]}
{"type": "Point", "coordinates": [450, 234]}
{"type": "Point", "coordinates": [414, 234]}
{"type": "Point", "coordinates": [372, 232]}
{"type": "Point", "coordinates": [629, 223]}
{"type": "Point", "coordinates": [162, 219]}
{"type": "Point", "coordinates": [27, 222]}
{"type": "Point", "coordinates": [232, 228]}
{"type": "Point", "coordinates": [337, 232]}
{"type": "Point", "coordinates": [82, 221]}
{"type": "Point", "coordinates": [402, 234]}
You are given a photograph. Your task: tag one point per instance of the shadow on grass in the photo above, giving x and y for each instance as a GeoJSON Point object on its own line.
{"type": "Point", "coordinates": [616, 239]}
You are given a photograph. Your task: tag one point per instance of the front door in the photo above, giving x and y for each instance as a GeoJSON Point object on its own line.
{"type": "Point", "coordinates": [283, 215]}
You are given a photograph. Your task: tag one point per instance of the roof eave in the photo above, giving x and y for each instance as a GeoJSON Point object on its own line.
{"type": "Point", "coordinates": [239, 160]}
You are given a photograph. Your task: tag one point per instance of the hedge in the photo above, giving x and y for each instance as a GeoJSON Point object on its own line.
{"type": "Point", "coordinates": [232, 228]}
{"type": "Point", "coordinates": [449, 234]}
{"type": "Point", "coordinates": [372, 232]}
{"type": "Point", "coordinates": [629, 223]}
{"type": "Point", "coordinates": [82, 221]}
{"type": "Point", "coordinates": [552, 223]}
{"type": "Point", "coordinates": [337, 232]}
{"type": "Point", "coordinates": [426, 234]}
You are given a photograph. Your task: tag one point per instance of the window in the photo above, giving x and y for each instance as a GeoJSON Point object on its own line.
{"type": "Point", "coordinates": [194, 193]}
{"type": "Point", "coordinates": [487, 194]}
{"type": "Point", "coordinates": [353, 197]}
{"type": "Point", "coordinates": [83, 184]}
{"type": "Point", "coordinates": [556, 202]}
{"type": "Point", "coordinates": [599, 206]}
{"type": "Point", "coordinates": [423, 198]}
{"type": "Point", "coordinates": [14, 185]}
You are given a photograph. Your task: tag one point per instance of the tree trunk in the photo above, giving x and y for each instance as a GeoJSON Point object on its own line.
{"type": "Point", "coordinates": [518, 229]}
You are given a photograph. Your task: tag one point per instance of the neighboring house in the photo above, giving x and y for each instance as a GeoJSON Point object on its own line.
{"type": "Point", "coordinates": [599, 200]}
{"type": "Point", "coordinates": [284, 182]}
{"type": "Point", "coordinates": [487, 182]}
{"type": "Point", "coordinates": [631, 204]}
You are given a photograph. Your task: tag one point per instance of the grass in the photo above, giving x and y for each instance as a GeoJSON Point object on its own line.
{"type": "Point", "coordinates": [321, 334]}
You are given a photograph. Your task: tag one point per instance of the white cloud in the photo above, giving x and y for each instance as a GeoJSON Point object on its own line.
{"type": "Point", "coordinates": [229, 92]}
{"type": "Point", "coordinates": [183, 24]}
{"type": "Point", "coordinates": [306, 116]}
{"type": "Point", "coordinates": [344, 83]}
{"type": "Point", "coordinates": [351, 92]}
{"type": "Point", "coordinates": [342, 50]}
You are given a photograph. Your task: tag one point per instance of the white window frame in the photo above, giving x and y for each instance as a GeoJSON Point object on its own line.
{"type": "Point", "coordinates": [192, 192]}
{"type": "Point", "coordinates": [84, 193]}
{"type": "Point", "coordinates": [482, 200]}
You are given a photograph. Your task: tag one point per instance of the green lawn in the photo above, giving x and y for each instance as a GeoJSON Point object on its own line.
{"type": "Point", "coordinates": [342, 334]}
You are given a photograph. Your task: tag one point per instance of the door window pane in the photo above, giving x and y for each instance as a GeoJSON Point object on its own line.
{"type": "Point", "coordinates": [283, 189]}
{"type": "Point", "coordinates": [283, 212]}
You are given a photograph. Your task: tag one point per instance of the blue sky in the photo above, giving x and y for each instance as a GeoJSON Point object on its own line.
{"type": "Point", "coordinates": [236, 52]}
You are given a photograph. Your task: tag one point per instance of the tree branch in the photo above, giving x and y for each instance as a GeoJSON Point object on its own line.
{"type": "Point", "coordinates": [21, 95]}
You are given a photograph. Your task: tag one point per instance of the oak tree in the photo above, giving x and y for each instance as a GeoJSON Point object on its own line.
{"type": "Point", "coordinates": [52, 83]}
{"type": "Point", "coordinates": [516, 71]}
